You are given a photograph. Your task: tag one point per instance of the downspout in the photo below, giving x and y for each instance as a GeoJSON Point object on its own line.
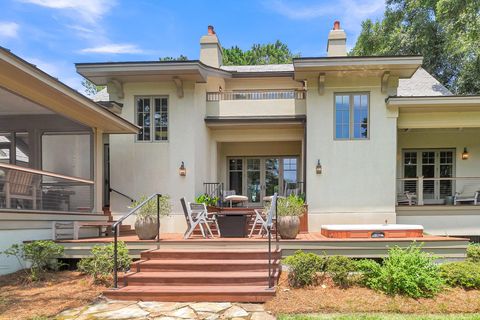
{"type": "Point", "coordinates": [305, 158]}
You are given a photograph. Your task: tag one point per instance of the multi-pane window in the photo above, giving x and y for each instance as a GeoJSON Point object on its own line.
{"type": "Point", "coordinates": [351, 116]}
{"type": "Point", "coordinates": [152, 117]}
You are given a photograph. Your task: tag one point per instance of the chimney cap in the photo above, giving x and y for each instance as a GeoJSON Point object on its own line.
{"type": "Point", "coordinates": [211, 30]}
{"type": "Point", "coordinates": [336, 25]}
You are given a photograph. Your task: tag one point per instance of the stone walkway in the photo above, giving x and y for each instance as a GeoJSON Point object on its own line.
{"type": "Point", "coordinates": [130, 310]}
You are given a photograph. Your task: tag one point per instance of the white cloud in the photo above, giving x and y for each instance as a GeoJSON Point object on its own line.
{"type": "Point", "coordinates": [88, 10]}
{"type": "Point", "coordinates": [8, 29]}
{"type": "Point", "coordinates": [114, 48]}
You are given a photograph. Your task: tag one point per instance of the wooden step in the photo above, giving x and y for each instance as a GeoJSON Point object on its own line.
{"type": "Point", "coordinates": [195, 278]}
{"type": "Point", "coordinates": [202, 265]}
{"type": "Point", "coordinates": [192, 293]}
{"type": "Point", "coordinates": [209, 254]}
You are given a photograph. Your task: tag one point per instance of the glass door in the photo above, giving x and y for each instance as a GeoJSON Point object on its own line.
{"type": "Point", "coordinates": [271, 182]}
{"type": "Point", "coordinates": [254, 181]}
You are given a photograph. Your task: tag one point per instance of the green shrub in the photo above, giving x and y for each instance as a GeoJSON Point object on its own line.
{"type": "Point", "coordinates": [304, 268]}
{"type": "Point", "coordinates": [209, 201]}
{"type": "Point", "coordinates": [42, 255]}
{"type": "Point", "coordinates": [290, 206]}
{"type": "Point", "coordinates": [473, 252]}
{"type": "Point", "coordinates": [409, 272]}
{"type": "Point", "coordinates": [339, 269]}
{"type": "Point", "coordinates": [369, 272]}
{"type": "Point", "coordinates": [464, 274]}
{"type": "Point", "coordinates": [149, 209]}
{"type": "Point", "coordinates": [100, 264]}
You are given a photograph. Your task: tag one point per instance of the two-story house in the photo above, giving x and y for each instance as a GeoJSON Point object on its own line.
{"type": "Point", "coordinates": [366, 139]}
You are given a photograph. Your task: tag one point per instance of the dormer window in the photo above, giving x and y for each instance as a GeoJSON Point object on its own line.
{"type": "Point", "coordinates": [352, 116]}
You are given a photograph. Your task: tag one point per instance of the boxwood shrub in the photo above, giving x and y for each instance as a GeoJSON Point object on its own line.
{"type": "Point", "coordinates": [465, 274]}
{"type": "Point", "coordinates": [473, 252]}
{"type": "Point", "coordinates": [304, 268]}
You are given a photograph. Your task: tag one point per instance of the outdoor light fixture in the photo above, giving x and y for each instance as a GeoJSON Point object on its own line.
{"type": "Point", "coordinates": [465, 154]}
{"type": "Point", "coordinates": [318, 167]}
{"type": "Point", "coordinates": [182, 171]}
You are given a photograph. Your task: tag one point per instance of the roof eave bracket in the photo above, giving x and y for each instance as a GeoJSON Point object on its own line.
{"type": "Point", "coordinates": [385, 77]}
{"type": "Point", "coordinates": [321, 83]}
{"type": "Point", "coordinates": [179, 84]}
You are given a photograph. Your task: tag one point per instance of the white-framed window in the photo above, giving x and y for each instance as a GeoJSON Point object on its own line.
{"type": "Point", "coordinates": [352, 113]}
{"type": "Point", "coordinates": [151, 114]}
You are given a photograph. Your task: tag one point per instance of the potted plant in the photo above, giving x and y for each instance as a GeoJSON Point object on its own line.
{"type": "Point", "coordinates": [146, 222]}
{"type": "Point", "coordinates": [289, 211]}
{"type": "Point", "coordinates": [210, 202]}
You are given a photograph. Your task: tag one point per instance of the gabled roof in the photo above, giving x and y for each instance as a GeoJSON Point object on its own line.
{"type": "Point", "coordinates": [26, 80]}
{"type": "Point", "coordinates": [421, 83]}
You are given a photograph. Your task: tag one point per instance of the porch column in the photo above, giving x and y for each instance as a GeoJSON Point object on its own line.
{"type": "Point", "coordinates": [98, 170]}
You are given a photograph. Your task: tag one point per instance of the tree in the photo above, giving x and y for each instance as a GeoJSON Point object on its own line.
{"type": "Point", "coordinates": [90, 88]}
{"type": "Point", "coordinates": [179, 58]}
{"type": "Point", "coordinates": [270, 53]}
{"type": "Point", "coordinates": [445, 32]}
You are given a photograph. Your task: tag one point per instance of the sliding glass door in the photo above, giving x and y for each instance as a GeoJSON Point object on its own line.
{"type": "Point", "coordinates": [260, 177]}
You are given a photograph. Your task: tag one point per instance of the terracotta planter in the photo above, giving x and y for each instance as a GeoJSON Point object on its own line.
{"type": "Point", "coordinates": [288, 227]}
{"type": "Point", "coordinates": [146, 228]}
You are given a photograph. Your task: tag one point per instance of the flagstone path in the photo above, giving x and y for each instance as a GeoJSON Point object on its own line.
{"type": "Point", "coordinates": [130, 310]}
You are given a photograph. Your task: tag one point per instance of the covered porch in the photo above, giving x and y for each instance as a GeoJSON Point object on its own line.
{"type": "Point", "coordinates": [438, 164]}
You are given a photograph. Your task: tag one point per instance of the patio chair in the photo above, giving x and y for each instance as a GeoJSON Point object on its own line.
{"type": "Point", "coordinates": [407, 197]}
{"type": "Point", "coordinates": [262, 219]}
{"type": "Point", "coordinates": [20, 185]}
{"type": "Point", "coordinates": [469, 193]}
{"type": "Point", "coordinates": [195, 217]}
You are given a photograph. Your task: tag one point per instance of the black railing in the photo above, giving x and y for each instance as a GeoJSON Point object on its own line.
{"type": "Point", "coordinates": [273, 207]}
{"type": "Point", "coordinates": [214, 189]}
{"type": "Point", "coordinates": [116, 232]}
{"type": "Point", "coordinates": [122, 194]}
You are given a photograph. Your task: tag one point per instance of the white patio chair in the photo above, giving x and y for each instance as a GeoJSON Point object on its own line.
{"type": "Point", "coordinates": [469, 193]}
{"type": "Point", "coordinates": [195, 217]}
{"type": "Point", "coordinates": [407, 197]}
{"type": "Point", "coordinates": [263, 220]}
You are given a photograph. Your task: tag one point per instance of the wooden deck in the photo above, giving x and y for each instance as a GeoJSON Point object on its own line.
{"type": "Point", "coordinates": [445, 247]}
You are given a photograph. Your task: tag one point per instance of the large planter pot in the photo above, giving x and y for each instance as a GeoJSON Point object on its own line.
{"type": "Point", "coordinates": [288, 227]}
{"type": "Point", "coordinates": [146, 228]}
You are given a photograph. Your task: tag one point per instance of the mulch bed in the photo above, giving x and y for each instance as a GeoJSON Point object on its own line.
{"type": "Point", "coordinates": [332, 299]}
{"type": "Point", "coordinates": [21, 299]}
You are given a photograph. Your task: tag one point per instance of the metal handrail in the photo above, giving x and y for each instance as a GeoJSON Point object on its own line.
{"type": "Point", "coordinates": [267, 94]}
{"type": "Point", "coordinates": [122, 194]}
{"type": "Point", "coordinates": [269, 233]}
{"type": "Point", "coordinates": [116, 231]}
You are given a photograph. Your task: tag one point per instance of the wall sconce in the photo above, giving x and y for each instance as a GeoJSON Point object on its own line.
{"type": "Point", "coordinates": [465, 154]}
{"type": "Point", "coordinates": [182, 171]}
{"type": "Point", "coordinates": [318, 167]}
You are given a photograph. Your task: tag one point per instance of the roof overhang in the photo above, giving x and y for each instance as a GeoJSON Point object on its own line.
{"type": "Point", "coordinates": [435, 103]}
{"type": "Point", "coordinates": [144, 71]}
{"type": "Point", "coordinates": [26, 80]}
{"type": "Point", "coordinates": [399, 66]}
{"type": "Point", "coordinates": [255, 121]}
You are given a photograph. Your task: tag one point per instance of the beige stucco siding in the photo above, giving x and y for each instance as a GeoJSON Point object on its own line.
{"type": "Point", "coordinates": [358, 180]}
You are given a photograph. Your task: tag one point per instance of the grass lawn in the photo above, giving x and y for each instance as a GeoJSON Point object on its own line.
{"type": "Point", "coordinates": [373, 316]}
{"type": "Point", "coordinates": [21, 299]}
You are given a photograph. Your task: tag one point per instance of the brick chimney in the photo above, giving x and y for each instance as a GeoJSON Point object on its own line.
{"type": "Point", "coordinates": [210, 49]}
{"type": "Point", "coordinates": [337, 41]}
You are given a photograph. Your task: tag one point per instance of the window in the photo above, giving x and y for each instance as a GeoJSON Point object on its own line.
{"type": "Point", "coordinates": [15, 148]}
{"type": "Point", "coordinates": [351, 116]}
{"type": "Point", "coordinates": [148, 108]}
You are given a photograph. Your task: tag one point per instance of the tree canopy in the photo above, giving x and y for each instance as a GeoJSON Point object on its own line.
{"type": "Point", "coordinates": [270, 53]}
{"type": "Point", "coordinates": [445, 32]}
{"type": "Point", "coordinates": [179, 58]}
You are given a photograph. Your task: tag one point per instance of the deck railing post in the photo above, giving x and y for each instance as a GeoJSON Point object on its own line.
{"type": "Point", "coordinates": [115, 263]}
{"type": "Point", "coordinates": [269, 229]}
{"type": "Point", "coordinates": [158, 221]}
{"type": "Point", "coordinates": [420, 191]}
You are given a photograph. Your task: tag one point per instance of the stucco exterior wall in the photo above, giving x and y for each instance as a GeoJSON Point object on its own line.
{"type": "Point", "coordinates": [358, 180]}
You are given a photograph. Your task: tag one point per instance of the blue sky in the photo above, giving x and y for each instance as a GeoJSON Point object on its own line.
{"type": "Point", "coordinates": [54, 34]}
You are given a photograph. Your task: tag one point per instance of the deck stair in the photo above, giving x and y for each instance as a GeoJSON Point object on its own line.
{"type": "Point", "coordinates": [199, 275]}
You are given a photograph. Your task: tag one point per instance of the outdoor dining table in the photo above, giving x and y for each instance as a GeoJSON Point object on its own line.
{"type": "Point", "coordinates": [233, 224]}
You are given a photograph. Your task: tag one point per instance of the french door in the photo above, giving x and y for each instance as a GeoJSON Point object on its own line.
{"type": "Point", "coordinates": [258, 177]}
{"type": "Point", "coordinates": [431, 164]}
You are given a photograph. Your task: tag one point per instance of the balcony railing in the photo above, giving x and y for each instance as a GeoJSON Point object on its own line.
{"type": "Point", "coordinates": [440, 191]}
{"type": "Point", "coordinates": [29, 189]}
{"type": "Point", "coordinates": [256, 95]}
